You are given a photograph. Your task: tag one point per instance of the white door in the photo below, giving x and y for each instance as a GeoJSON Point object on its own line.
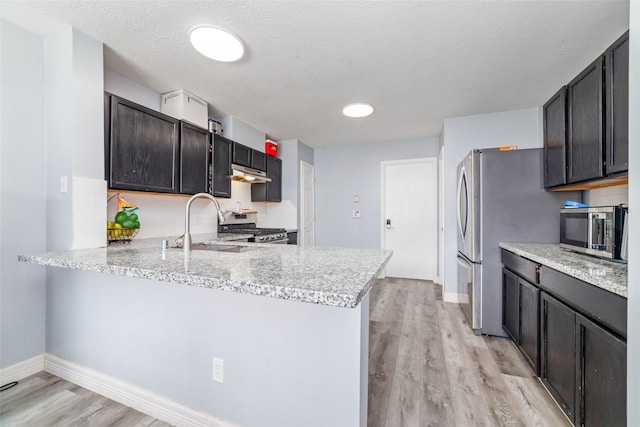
{"type": "Point", "coordinates": [307, 216]}
{"type": "Point", "coordinates": [410, 217]}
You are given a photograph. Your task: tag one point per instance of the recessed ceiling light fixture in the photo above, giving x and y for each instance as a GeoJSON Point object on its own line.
{"type": "Point", "coordinates": [217, 43]}
{"type": "Point", "coordinates": [358, 109]}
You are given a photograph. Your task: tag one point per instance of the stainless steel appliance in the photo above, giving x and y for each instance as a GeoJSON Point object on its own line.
{"type": "Point", "coordinates": [241, 223]}
{"type": "Point", "coordinates": [501, 198]}
{"type": "Point", "coordinates": [596, 231]}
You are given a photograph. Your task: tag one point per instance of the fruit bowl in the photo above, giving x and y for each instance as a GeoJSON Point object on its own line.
{"type": "Point", "coordinates": [121, 234]}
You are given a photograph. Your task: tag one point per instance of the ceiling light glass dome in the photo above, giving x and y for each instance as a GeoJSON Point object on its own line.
{"type": "Point", "coordinates": [217, 43]}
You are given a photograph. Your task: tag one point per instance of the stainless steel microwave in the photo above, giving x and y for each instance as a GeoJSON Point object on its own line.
{"type": "Point", "coordinates": [598, 231]}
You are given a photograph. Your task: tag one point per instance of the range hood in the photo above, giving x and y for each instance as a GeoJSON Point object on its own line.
{"type": "Point", "coordinates": [250, 175]}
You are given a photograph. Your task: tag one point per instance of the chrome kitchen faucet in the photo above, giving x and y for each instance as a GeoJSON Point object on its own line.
{"type": "Point", "coordinates": [186, 241]}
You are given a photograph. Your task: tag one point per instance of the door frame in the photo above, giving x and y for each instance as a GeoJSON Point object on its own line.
{"type": "Point", "coordinates": [301, 203]}
{"type": "Point", "coordinates": [383, 164]}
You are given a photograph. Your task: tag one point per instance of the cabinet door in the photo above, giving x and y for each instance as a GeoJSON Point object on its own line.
{"type": "Point", "coordinates": [143, 152]}
{"type": "Point", "coordinates": [271, 191]}
{"type": "Point", "coordinates": [221, 165]}
{"type": "Point", "coordinates": [194, 159]}
{"type": "Point", "coordinates": [555, 137]}
{"type": "Point", "coordinates": [617, 106]}
{"type": "Point", "coordinates": [510, 305]}
{"type": "Point", "coordinates": [530, 323]}
{"type": "Point", "coordinates": [274, 171]}
{"type": "Point", "coordinates": [259, 160]}
{"type": "Point", "coordinates": [558, 357]}
{"type": "Point", "coordinates": [241, 155]}
{"type": "Point", "coordinates": [585, 137]}
{"type": "Point", "coordinates": [602, 376]}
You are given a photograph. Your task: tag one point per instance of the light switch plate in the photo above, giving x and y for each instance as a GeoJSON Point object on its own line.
{"type": "Point", "coordinates": [355, 214]}
{"type": "Point", "coordinates": [64, 184]}
{"type": "Point", "coordinates": [356, 199]}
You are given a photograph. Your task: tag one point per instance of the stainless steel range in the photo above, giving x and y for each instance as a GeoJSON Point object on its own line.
{"type": "Point", "coordinates": [240, 223]}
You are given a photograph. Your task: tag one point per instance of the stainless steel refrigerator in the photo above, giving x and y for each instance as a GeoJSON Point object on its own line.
{"type": "Point", "coordinates": [501, 198]}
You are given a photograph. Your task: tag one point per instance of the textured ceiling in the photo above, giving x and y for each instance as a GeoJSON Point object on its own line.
{"type": "Point", "coordinates": [416, 62]}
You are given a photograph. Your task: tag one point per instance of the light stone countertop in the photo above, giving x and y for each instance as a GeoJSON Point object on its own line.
{"type": "Point", "coordinates": [605, 274]}
{"type": "Point", "coordinates": [328, 276]}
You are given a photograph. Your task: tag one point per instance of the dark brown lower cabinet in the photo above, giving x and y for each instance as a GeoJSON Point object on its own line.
{"type": "Point", "coordinates": [520, 315]}
{"type": "Point", "coordinates": [510, 305]}
{"type": "Point", "coordinates": [602, 376]}
{"type": "Point", "coordinates": [573, 335]}
{"type": "Point", "coordinates": [530, 323]}
{"type": "Point", "coordinates": [558, 355]}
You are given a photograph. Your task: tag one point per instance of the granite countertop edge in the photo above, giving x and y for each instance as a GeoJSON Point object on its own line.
{"type": "Point", "coordinates": [348, 296]}
{"type": "Point", "coordinates": [608, 275]}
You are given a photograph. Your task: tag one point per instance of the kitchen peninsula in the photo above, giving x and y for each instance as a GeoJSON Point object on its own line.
{"type": "Point", "coordinates": [290, 323]}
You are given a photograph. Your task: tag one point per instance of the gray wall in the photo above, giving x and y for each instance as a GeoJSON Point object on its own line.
{"type": "Point", "coordinates": [633, 336]}
{"type": "Point", "coordinates": [59, 137]}
{"type": "Point", "coordinates": [460, 135]}
{"type": "Point", "coordinates": [116, 84]}
{"type": "Point", "coordinates": [288, 153]}
{"type": "Point", "coordinates": [341, 173]}
{"type": "Point", "coordinates": [285, 363]}
{"type": "Point", "coordinates": [291, 152]}
{"type": "Point", "coordinates": [243, 133]}
{"type": "Point", "coordinates": [22, 194]}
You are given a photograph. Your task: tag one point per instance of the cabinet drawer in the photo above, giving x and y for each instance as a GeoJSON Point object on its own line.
{"type": "Point", "coordinates": [605, 307]}
{"type": "Point", "coordinates": [521, 266]}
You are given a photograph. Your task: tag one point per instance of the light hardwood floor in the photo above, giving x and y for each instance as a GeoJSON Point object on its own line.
{"type": "Point", "coordinates": [44, 400]}
{"type": "Point", "coordinates": [427, 368]}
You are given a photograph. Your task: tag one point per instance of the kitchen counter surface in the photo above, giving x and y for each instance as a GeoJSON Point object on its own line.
{"type": "Point", "coordinates": [328, 276]}
{"type": "Point", "coordinates": [608, 275]}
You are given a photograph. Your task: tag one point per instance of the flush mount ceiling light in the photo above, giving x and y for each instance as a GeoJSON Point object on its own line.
{"type": "Point", "coordinates": [217, 43]}
{"type": "Point", "coordinates": [358, 109]}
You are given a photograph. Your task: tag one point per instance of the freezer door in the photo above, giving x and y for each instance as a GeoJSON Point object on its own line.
{"type": "Point", "coordinates": [467, 216]}
{"type": "Point", "coordinates": [470, 279]}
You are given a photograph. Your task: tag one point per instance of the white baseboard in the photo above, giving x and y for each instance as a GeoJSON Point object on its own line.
{"type": "Point", "coordinates": [22, 369]}
{"type": "Point", "coordinates": [142, 400]}
{"type": "Point", "coordinates": [457, 298]}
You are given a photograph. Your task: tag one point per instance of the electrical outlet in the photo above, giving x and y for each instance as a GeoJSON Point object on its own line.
{"type": "Point", "coordinates": [63, 184]}
{"type": "Point", "coordinates": [218, 370]}
{"type": "Point", "coordinates": [355, 214]}
{"type": "Point", "coordinates": [356, 199]}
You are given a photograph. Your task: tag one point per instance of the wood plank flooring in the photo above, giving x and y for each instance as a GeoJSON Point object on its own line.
{"type": "Point", "coordinates": [44, 400]}
{"type": "Point", "coordinates": [427, 368]}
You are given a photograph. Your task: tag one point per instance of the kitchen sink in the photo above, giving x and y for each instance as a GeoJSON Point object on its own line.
{"type": "Point", "coordinates": [221, 248]}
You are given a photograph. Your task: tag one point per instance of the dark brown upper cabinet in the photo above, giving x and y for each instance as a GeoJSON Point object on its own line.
{"type": "Point", "coordinates": [259, 160]}
{"type": "Point", "coordinates": [617, 106]}
{"type": "Point", "coordinates": [221, 164]}
{"type": "Point", "coordinates": [241, 155]}
{"type": "Point", "coordinates": [585, 139]}
{"type": "Point", "coordinates": [144, 147]}
{"type": "Point", "coordinates": [270, 191]}
{"type": "Point", "coordinates": [555, 139]}
{"type": "Point", "coordinates": [194, 159]}
{"type": "Point", "coordinates": [589, 142]}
